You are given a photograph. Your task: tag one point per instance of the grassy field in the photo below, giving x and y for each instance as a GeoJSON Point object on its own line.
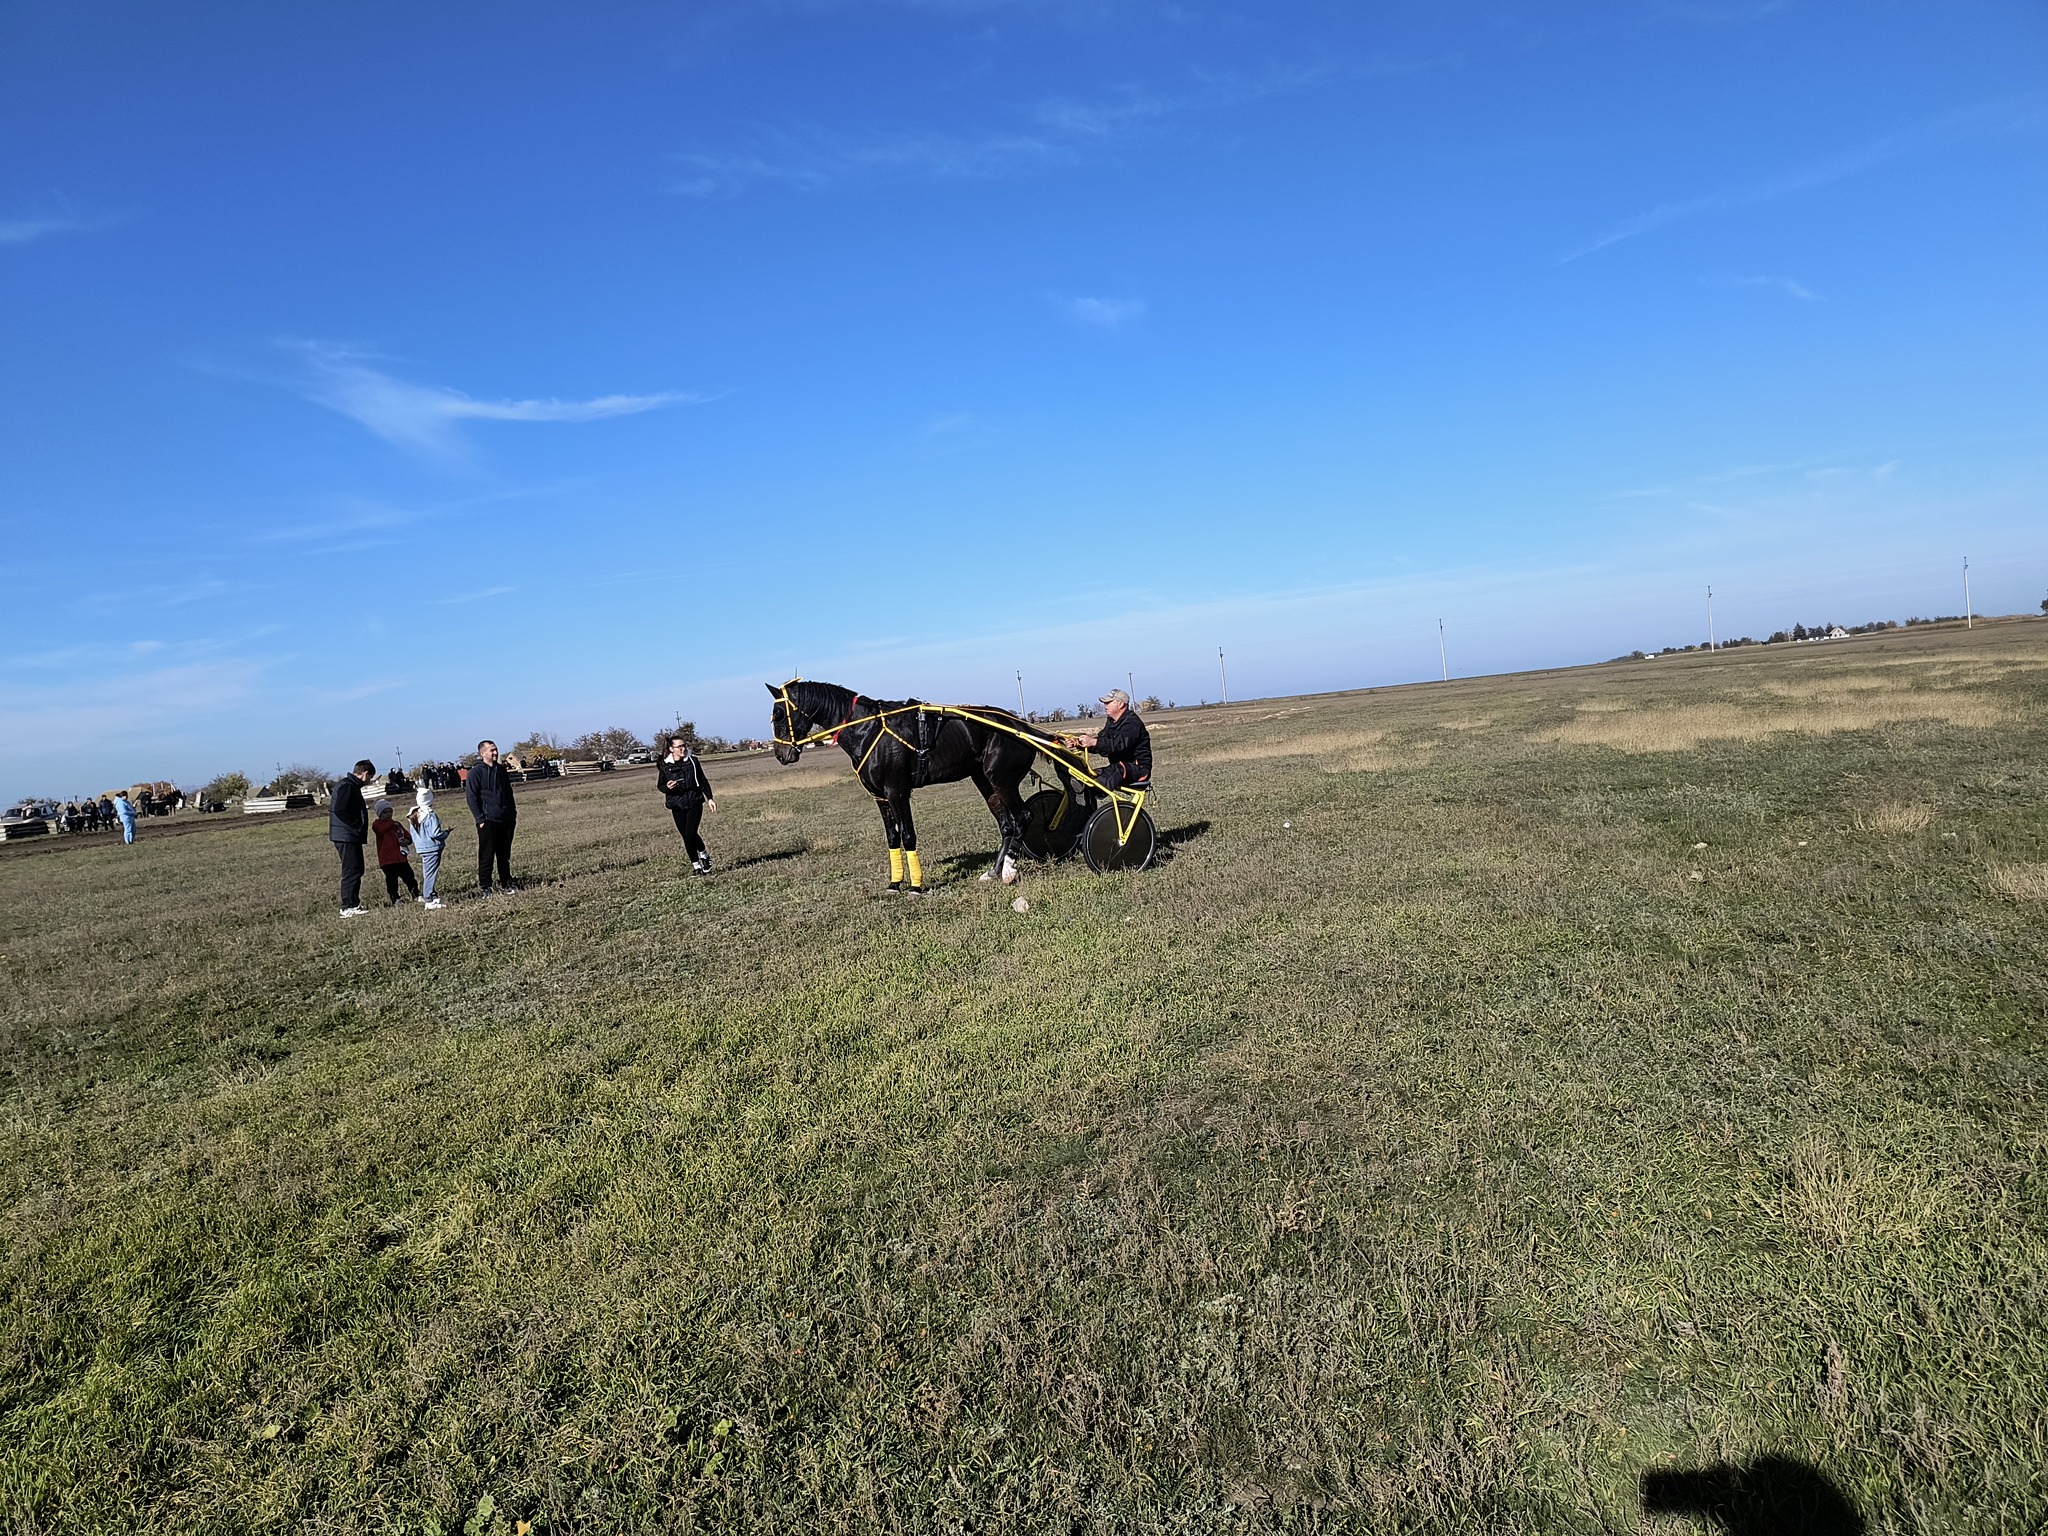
{"type": "Point", "coordinates": [1606, 1073]}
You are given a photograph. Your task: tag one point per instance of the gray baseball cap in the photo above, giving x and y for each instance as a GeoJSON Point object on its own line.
{"type": "Point", "coordinates": [1116, 696]}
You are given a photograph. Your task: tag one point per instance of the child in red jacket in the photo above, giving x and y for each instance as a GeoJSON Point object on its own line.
{"type": "Point", "coordinates": [392, 844]}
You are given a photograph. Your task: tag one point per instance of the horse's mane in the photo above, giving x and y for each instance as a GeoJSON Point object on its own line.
{"type": "Point", "coordinates": [816, 699]}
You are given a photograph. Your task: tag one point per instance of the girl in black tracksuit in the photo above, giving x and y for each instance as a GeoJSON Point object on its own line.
{"type": "Point", "coordinates": [686, 792]}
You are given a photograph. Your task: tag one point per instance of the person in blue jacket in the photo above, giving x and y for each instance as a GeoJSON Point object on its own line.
{"type": "Point", "coordinates": [125, 809]}
{"type": "Point", "coordinates": [430, 837]}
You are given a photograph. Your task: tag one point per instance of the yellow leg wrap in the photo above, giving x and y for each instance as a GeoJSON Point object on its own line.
{"type": "Point", "coordinates": [895, 866]}
{"type": "Point", "coordinates": [916, 870]}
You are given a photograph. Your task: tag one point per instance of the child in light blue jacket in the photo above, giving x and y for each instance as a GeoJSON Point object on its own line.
{"type": "Point", "coordinates": [429, 837]}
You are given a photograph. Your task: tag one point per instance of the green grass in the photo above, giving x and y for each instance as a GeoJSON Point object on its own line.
{"type": "Point", "coordinates": [1450, 1158]}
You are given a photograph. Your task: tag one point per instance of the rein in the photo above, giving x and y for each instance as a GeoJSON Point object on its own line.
{"type": "Point", "coordinates": [1076, 762]}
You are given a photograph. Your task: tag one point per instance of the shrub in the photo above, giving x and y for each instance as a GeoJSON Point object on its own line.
{"type": "Point", "coordinates": [226, 786]}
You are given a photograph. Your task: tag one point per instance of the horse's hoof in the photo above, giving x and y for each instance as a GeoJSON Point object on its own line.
{"type": "Point", "coordinates": [1009, 871]}
{"type": "Point", "coordinates": [987, 875]}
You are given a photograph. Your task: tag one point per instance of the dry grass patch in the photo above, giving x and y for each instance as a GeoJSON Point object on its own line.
{"type": "Point", "coordinates": [1383, 759]}
{"type": "Point", "coordinates": [1834, 687]}
{"type": "Point", "coordinates": [769, 783]}
{"type": "Point", "coordinates": [1321, 744]}
{"type": "Point", "coordinates": [1466, 723]}
{"type": "Point", "coordinates": [1844, 1195]}
{"type": "Point", "coordinates": [2022, 882]}
{"type": "Point", "coordinates": [1894, 820]}
{"type": "Point", "coordinates": [1684, 728]}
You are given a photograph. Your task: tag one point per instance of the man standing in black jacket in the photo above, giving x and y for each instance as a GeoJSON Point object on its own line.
{"type": "Point", "coordinates": [489, 789]}
{"type": "Point", "coordinates": [348, 828]}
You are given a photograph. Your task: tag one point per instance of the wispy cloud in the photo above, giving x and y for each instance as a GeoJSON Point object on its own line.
{"type": "Point", "coordinates": [25, 227]}
{"type": "Point", "coordinates": [427, 419]}
{"type": "Point", "coordinates": [335, 524]}
{"type": "Point", "coordinates": [1104, 314]}
{"type": "Point", "coordinates": [1845, 465]}
{"type": "Point", "coordinates": [1047, 135]}
{"type": "Point", "coordinates": [1784, 285]}
{"type": "Point", "coordinates": [940, 437]}
{"type": "Point", "coordinates": [478, 597]}
{"type": "Point", "coordinates": [1985, 120]}
{"type": "Point", "coordinates": [1698, 14]}
{"type": "Point", "coordinates": [199, 589]}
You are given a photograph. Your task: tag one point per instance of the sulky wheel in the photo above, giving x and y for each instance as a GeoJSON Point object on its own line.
{"type": "Point", "coordinates": [1099, 843]}
{"type": "Point", "coordinates": [1045, 839]}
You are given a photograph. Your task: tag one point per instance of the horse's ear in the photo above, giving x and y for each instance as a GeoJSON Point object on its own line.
{"type": "Point", "coordinates": [771, 689]}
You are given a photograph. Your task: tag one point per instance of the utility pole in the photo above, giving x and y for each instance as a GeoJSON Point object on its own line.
{"type": "Point", "coordinates": [1710, 618]}
{"type": "Point", "coordinates": [1969, 618]}
{"type": "Point", "coordinates": [1020, 693]}
{"type": "Point", "coordinates": [1222, 673]}
{"type": "Point", "coordinates": [1443, 656]}
{"type": "Point", "coordinates": [1130, 685]}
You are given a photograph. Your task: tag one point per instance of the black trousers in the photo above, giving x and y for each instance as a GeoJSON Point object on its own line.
{"type": "Point", "coordinates": [393, 873]}
{"type": "Point", "coordinates": [494, 842]}
{"type": "Point", "coordinates": [687, 816]}
{"type": "Point", "coordinates": [1122, 776]}
{"type": "Point", "coordinates": [351, 874]}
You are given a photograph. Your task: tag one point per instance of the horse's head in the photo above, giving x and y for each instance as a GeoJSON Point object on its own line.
{"type": "Point", "coordinates": [790, 724]}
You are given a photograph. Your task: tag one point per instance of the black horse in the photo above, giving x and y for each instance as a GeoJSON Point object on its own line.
{"type": "Point", "coordinates": [897, 745]}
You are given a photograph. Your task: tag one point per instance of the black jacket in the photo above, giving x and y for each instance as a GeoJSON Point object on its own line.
{"type": "Point", "coordinates": [681, 783]}
{"type": "Point", "coordinates": [348, 819]}
{"type": "Point", "coordinates": [1126, 740]}
{"type": "Point", "coordinates": [489, 791]}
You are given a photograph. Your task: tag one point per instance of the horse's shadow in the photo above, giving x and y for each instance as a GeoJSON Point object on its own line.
{"type": "Point", "coordinates": [964, 864]}
{"type": "Point", "coordinates": [1770, 1496]}
{"type": "Point", "coordinates": [773, 856]}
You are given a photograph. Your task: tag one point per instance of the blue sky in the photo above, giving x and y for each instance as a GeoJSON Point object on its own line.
{"type": "Point", "coordinates": [384, 376]}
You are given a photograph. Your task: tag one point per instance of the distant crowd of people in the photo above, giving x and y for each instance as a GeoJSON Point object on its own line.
{"type": "Point", "coordinates": [353, 821]}
{"type": "Point", "coordinates": [86, 816]}
{"type": "Point", "coordinates": [104, 814]}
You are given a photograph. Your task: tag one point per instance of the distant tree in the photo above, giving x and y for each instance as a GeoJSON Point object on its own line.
{"type": "Point", "coordinates": [1058, 714]}
{"type": "Point", "coordinates": [2044, 605]}
{"type": "Point", "coordinates": [613, 742]}
{"type": "Point", "coordinates": [226, 786]}
{"type": "Point", "coordinates": [687, 731]}
{"type": "Point", "coordinates": [300, 779]}
{"type": "Point", "coordinates": [537, 745]}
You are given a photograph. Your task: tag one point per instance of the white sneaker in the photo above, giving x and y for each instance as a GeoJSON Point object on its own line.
{"type": "Point", "coordinates": [355, 911]}
{"type": "Point", "coordinates": [432, 904]}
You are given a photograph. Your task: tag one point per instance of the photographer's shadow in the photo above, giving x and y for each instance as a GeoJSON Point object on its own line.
{"type": "Point", "coordinates": [1771, 1496]}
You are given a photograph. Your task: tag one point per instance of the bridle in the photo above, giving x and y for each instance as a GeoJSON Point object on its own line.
{"type": "Point", "coordinates": [797, 743]}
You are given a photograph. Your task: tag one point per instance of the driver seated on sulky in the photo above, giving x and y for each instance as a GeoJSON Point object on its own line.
{"type": "Point", "coordinates": [1124, 741]}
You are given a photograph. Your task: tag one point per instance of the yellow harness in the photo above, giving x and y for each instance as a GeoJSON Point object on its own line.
{"type": "Point", "coordinates": [1127, 802]}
